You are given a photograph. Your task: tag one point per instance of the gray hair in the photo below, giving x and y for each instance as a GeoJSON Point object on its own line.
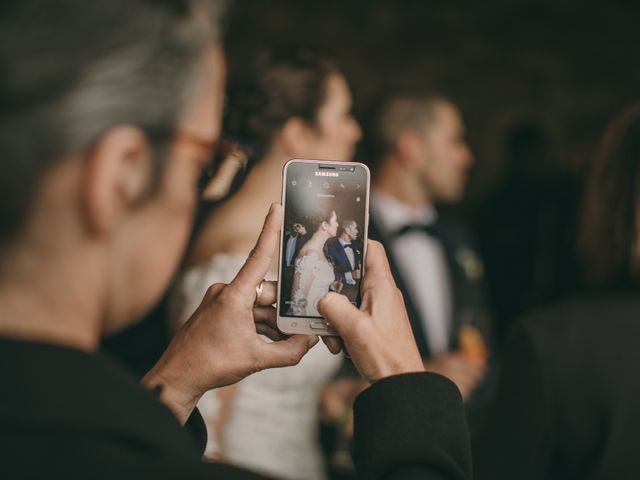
{"type": "Point", "coordinates": [402, 113]}
{"type": "Point", "coordinates": [70, 70]}
{"type": "Point", "coordinates": [348, 223]}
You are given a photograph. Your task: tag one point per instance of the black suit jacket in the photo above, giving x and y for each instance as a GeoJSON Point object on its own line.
{"type": "Point", "coordinates": [300, 241]}
{"type": "Point", "coordinates": [68, 414]}
{"type": "Point", "coordinates": [467, 283]}
{"type": "Point", "coordinates": [341, 264]}
{"type": "Point", "coordinates": [468, 302]}
{"type": "Point", "coordinates": [568, 402]}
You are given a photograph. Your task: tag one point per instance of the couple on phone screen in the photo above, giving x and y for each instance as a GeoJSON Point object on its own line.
{"type": "Point", "coordinates": [327, 262]}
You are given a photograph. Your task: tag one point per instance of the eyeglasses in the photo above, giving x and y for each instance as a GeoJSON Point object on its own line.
{"type": "Point", "coordinates": [211, 154]}
{"type": "Point", "coordinates": [202, 149]}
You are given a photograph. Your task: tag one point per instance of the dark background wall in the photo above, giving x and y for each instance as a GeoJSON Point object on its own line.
{"type": "Point", "coordinates": [567, 66]}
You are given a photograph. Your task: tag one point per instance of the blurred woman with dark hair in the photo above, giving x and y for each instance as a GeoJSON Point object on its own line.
{"type": "Point", "coordinates": [609, 244]}
{"type": "Point", "coordinates": [292, 104]}
{"type": "Point", "coordinates": [567, 406]}
{"type": "Point", "coordinates": [313, 275]}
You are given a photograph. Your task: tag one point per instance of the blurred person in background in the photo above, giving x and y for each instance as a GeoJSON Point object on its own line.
{"type": "Point", "coordinates": [420, 160]}
{"type": "Point", "coordinates": [567, 400]}
{"type": "Point", "coordinates": [295, 103]}
{"type": "Point", "coordinates": [526, 227]}
{"type": "Point", "coordinates": [110, 112]}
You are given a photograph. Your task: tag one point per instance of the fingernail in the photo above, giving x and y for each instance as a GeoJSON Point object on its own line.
{"type": "Point", "coordinates": [313, 340]}
{"type": "Point", "coordinates": [273, 205]}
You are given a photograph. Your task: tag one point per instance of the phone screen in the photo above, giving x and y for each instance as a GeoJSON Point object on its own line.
{"type": "Point", "coordinates": [323, 243]}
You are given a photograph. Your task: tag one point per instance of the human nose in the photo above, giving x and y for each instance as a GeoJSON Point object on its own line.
{"type": "Point", "coordinates": [467, 156]}
{"type": "Point", "coordinates": [357, 131]}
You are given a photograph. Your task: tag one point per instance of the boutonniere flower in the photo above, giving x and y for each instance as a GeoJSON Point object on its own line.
{"type": "Point", "coordinates": [470, 263]}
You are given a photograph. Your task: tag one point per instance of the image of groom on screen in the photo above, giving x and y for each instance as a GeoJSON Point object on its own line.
{"type": "Point", "coordinates": [345, 252]}
{"type": "Point", "coordinates": [294, 240]}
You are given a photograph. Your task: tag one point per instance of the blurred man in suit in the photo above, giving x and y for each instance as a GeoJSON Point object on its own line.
{"type": "Point", "coordinates": [421, 159]}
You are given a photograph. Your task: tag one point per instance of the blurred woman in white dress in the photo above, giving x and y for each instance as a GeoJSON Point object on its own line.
{"type": "Point", "coordinates": [292, 105]}
{"type": "Point", "coordinates": [314, 275]}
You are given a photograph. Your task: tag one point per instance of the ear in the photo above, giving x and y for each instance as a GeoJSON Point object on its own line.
{"type": "Point", "coordinates": [117, 174]}
{"type": "Point", "coordinates": [295, 136]}
{"type": "Point", "coordinates": [410, 149]}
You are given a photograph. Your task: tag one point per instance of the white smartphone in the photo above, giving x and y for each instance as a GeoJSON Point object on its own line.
{"type": "Point", "coordinates": [323, 240]}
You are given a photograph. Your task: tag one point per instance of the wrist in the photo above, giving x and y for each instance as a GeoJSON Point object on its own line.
{"type": "Point", "coordinates": [391, 369]}
{"type": "Point", "coordinates": [175, 391]}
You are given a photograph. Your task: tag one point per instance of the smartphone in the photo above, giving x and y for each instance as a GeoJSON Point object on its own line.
{"type": "Point", "coordinates": [323, 240]}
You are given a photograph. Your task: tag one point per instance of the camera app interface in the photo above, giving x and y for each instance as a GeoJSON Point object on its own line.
{"type": "Point", "coordinates": [323, 243]}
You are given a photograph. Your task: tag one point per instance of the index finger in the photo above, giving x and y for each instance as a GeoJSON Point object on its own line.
{"type": "Point", "coordinates": [259, 260]}
{"type": "Point", "coordinates": [377, 266]}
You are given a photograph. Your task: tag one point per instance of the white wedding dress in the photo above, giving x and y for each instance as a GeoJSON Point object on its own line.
{"type": "Point", "coordinates": [313, 275]}
{"type": "Point", "coordinates": [272, 424]}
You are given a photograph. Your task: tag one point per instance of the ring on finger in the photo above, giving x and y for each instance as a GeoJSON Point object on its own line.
{"type": "Point", "coordinates": [259, 290]}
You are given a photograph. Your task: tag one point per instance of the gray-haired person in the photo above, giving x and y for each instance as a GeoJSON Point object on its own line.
{"type": "Point", "coordinates": [109, 111]}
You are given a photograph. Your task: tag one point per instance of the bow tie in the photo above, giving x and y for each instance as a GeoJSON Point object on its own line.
{"type": "Point", "coordinates": [431, 229]}
{"type": "Point", "coordinates": [348, 245]}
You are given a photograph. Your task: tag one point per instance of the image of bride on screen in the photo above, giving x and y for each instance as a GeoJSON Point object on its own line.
{"type": "Point", "coordinates": [313, 273]}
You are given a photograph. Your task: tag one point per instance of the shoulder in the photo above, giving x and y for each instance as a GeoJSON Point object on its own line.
{"type": "Point", "coordinates": [228, 229]}
{"type": "Point", "coordinates": [594, 334]}
{"type": "Point", "coordinates": [310, 255]}
{"type": "Point", "coordinates": [585, 316]}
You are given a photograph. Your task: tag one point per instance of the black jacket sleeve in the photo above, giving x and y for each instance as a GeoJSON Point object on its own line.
{"type": "Point", "coordinates": [411, 426]}
{"type": "Point", "coordinates": [196, 427]}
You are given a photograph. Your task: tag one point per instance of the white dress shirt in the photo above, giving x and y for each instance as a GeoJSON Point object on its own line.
{"type": "Point", "coordinates": [421, 263]}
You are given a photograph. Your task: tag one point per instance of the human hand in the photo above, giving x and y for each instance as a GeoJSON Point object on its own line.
{"type": "Point", "coordinates": [464, 372]}
{"type": "Point", "coordinates": [378, 336]}
{"type": "Point", "coordinates": [472, 345]}
{"type": "Point", "coordinates": [220, 343]}
{"type": "Point", "coordinates": [356, 274]}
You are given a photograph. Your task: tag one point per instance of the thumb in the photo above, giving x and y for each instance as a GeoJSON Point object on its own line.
{"type": "Point", "coordinates": [287, 352]}
{"type": "Point", "coordinates": [339, 311]}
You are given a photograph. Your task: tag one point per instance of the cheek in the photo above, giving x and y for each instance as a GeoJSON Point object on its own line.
{"type": "Point", "coordinates": [444, 163]}
{"type": "Point", "coordinates": [337, 143]}
{"type": "Point", "coordinates": [161, 249]}
{"type": "Point", "coordinates": [348, 132]}
{"type": "Point", "coordinates": [147, 257]}
{"type": "Point", "coordinates": [161, 242]}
